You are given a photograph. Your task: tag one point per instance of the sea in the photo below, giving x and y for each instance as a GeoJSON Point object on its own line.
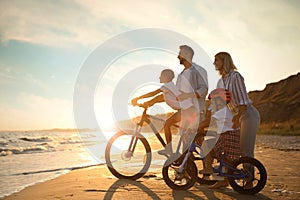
{"type": "Point", "coordinates": [30, 157]}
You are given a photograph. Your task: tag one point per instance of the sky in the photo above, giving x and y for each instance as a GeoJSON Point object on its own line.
{"type": "Point", "coordinates": [45, 47]}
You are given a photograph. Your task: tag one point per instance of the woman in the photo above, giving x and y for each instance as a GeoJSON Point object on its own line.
{"type": "Point", "coordinates": [246, 116]}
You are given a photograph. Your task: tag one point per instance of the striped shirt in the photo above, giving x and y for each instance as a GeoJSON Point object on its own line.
{"type": "Point", "coordinates": [234, 82]}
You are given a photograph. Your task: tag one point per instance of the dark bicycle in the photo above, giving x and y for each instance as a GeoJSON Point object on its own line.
{"type": "Point", "coordinates": [128, 154]}
{"type": "Point", "coordinates": [245, 175]}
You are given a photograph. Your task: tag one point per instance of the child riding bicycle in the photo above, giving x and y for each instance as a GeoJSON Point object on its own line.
{"type": "Point", "coordinates": [170, 93]}
{"type": "Point", "coordinates": [221, 137]}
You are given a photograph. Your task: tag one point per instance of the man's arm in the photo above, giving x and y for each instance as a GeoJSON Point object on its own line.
{"type": "Point", "coordinates": [199, 80]}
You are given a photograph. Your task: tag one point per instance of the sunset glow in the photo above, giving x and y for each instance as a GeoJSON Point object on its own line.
{"type": "Point", "coordinates": [43, 46]}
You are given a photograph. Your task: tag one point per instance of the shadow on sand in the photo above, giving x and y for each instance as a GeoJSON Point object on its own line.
{"type": "Point", "coordinates": [197, 192]}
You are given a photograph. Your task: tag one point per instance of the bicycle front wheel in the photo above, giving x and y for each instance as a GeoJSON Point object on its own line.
{"type": "Point", "coordinates": [179, 181]}
{"type": "Point", "coordinates": [128, 156]}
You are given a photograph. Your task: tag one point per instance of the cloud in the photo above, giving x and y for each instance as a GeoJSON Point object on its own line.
{"type": "Point", "coordinates": [243, 28]}
{"type": "Point", "coordinates": [6, 76]}
{"type": "Point", "coordinates": [36, 112]}
{"type": "Point", "coordinates": [68, 23]}
{"type": "Point", "coordinates": [46, 23]}
{"type": "Point", "coordinates": [6, 72]}
{"type": "Point", "coordinates": [264, 22]}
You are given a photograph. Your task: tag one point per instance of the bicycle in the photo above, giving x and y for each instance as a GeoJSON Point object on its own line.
{"type": "Point", "coordinates": [131, 157]}
{"type": "Point", "coordinates": [128, 154]}
{"type": "Point", "coordinates": [181, 174]}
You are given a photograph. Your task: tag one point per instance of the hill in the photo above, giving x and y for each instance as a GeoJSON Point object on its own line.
{"type": "Point", "coordinates": [280, 101]}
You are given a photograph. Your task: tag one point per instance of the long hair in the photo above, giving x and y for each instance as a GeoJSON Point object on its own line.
{"type": "Point", "coordinates": [227, 62]}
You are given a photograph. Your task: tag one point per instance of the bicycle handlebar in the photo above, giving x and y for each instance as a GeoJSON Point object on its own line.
{"type": "Point", "coordinates": [141, 105]}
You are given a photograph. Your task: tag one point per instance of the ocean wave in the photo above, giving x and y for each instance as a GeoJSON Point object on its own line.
{"type": "Point", "coordinates": [36, 139]}
{"type": "Point", "coordinates": [71, 141]}
{"type": "Point", "coordinates": [23, 150]}
{"type": "Point", "coordinates": [3, 142]}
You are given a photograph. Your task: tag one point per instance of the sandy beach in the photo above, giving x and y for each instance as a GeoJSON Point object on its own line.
{"type": "Point", "coordinates": [97, 183]}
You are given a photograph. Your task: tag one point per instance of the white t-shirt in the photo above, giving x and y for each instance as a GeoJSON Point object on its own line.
{"type": "Point", "coordinates": [223, 120]}
{"type": "Point", "coordinates": [170, 92]}
{"type": "Point", "coordinates": [184, 84]}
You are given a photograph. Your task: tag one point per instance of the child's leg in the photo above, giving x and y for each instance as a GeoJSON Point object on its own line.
{"type": "Point", "coordinates": [207, 168]}
{"type": "Point", "coordinates": [175, 118]}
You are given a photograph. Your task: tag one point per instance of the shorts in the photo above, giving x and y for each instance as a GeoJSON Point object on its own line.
{"type": "Point", "coordinates": [229, 144]}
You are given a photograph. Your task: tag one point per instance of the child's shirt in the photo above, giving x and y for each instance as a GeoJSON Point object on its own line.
{"type": "Point", "coordinates": [170, 92]}
{"type": "Point", "coordinates": [223, 119]}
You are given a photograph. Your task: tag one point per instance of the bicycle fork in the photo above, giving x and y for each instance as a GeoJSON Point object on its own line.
{"type": "Point", "coordinates": [191, 149]}
{"type": "Point", "coordinates": [134, 140]}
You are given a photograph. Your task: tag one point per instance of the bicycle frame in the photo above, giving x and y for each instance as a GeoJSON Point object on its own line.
{"type": "Point", "coordinates": [145, 118]}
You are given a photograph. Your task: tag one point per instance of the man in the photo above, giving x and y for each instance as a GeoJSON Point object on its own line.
{"type": "Point", "coordinates": [192, 82]}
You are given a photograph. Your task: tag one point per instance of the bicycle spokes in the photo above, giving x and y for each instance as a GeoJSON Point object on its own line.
{"type": "Point", "coordinates": [128, 155]}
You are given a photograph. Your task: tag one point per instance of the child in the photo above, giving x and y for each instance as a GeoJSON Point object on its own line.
{"type": "Point", "coordinates": [170, 93]}
{"type": "Point", "coordinates": [221, 137]}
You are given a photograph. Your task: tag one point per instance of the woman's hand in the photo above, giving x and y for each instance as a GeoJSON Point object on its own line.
{"type": "Point", "coordinates": [235, 121]}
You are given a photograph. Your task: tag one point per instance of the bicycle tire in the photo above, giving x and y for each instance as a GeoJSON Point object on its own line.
{"type": "Point", "coordinates": [256, 184]}
{"type": "Point", "coordinates": [119, 173]}
{"type": "Point", "coordinates": [190, 174]}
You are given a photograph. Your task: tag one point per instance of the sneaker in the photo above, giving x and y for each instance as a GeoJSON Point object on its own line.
{"type": "Point", "coordinates": [248, 185]}
{"type": "Point", "coordinates": [181, 178]}
{"type": "Point", "coordinates": [206, 171]}
{"type": "Point", "coordinates": [219, 184]}
{"type": "Point", "coordinates": [164, 152]}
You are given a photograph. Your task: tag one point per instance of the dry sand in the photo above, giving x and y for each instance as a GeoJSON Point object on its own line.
{"type": "Point", "coordinates": [97, 183]}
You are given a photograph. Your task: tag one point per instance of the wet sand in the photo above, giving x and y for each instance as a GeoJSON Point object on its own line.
{"type": "Point", "coordinates": [98, 183]}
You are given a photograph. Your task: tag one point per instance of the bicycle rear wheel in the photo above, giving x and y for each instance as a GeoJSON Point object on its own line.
{"type": "Point", "coordinates": [125, 162]}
